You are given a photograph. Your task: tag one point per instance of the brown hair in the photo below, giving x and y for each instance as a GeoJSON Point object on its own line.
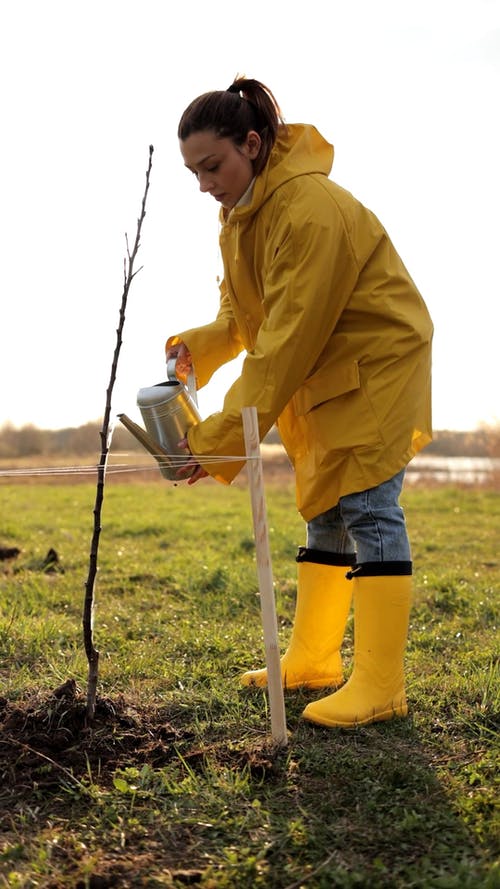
{"type": "Point", "coordinates": [232, 113]}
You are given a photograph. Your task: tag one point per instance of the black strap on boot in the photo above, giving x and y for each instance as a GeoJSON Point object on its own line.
{"type": "Point", "coordinates": [322, 557]}
{"type": "Point", "coordinates": [381, 569]}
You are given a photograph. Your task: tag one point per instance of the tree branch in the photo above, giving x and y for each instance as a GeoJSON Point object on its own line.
{"type": "Point", "coordinates": [88, 609]}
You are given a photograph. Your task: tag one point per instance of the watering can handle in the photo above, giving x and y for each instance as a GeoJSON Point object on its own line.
{"type": "Point", "coordinates": [190, 381]}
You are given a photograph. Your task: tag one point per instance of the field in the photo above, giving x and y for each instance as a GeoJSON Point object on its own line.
{"type": "Point", "coordinates": [177, 783]}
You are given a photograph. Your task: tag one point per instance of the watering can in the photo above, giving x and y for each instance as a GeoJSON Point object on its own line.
{"type": "Point", "coordinates": [168, 409]}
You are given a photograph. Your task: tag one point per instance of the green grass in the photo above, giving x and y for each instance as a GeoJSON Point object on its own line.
{"type": "Point", "coordinates": [193, 791]}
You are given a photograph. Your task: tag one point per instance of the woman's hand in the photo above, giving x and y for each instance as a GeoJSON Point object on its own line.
{"type": "Point", "coordinates": [184, 361]}
{"type": "Point", "coordinates": [191, 468]}
{"type": "Point", "coordinates": [183, 367]}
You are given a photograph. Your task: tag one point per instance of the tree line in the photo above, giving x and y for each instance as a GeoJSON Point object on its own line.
{"type": "Point", "coordinates": [30, 441]}
{"type": "Point", "coordinates": [81, 441]}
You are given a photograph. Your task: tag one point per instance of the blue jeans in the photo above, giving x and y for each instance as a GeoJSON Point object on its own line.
{"type": "Point", "coordinates": [370, 524]}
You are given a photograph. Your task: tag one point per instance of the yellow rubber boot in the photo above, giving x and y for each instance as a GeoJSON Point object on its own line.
{"type": "Point", "coordinates": [313, 657]}
{"type": "Point", "coordinates": [376, 689]}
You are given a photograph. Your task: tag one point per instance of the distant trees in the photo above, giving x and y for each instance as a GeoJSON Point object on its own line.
{"type": "Point", "coordinates": [83, 441]}
{"type": "Point", "coordinates": [25, 442]}
{"type": "Point", "coordinates": [483, 442]}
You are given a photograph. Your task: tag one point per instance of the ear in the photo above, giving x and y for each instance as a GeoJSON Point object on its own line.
{"type": "Point", "coordinates": [253, 144]}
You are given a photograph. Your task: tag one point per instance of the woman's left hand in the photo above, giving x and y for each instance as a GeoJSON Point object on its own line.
{"type": "Point", "coordinates": [191, 468]}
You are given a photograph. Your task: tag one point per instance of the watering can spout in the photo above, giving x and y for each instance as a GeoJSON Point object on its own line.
{"type": "Point", "coordinates": [143, 437]}
{"type": "Point", "coordinates": [146, 440]}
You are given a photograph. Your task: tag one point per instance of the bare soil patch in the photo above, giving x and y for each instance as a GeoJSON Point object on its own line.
{"type": "Point", "coordinates": [46, 742]}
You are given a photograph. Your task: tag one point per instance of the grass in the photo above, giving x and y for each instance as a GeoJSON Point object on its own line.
{"type": "Point", "coordinates": [178, 782]}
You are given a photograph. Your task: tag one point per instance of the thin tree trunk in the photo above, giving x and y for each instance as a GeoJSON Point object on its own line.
{"type": "Point", "coordinates": [88, 609]}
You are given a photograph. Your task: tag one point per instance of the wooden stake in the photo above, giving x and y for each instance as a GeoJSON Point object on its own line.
{"type": "Point", "coordinates": [265, 575]}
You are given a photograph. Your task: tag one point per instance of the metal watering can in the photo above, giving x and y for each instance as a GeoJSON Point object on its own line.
{"type": "Point", "coordinates": [168, 409]}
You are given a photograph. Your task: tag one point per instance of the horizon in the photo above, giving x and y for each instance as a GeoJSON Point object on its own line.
{"type": "Point", "coordinates": [417, 143]}
{"type": "Point", "coordinates": [7, 424]}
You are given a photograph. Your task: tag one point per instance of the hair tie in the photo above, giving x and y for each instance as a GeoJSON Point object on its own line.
{"type": "Point", "coordinates": [234, 88]}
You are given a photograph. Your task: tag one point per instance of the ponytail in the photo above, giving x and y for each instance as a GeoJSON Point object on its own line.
{"type": "Point", "coordinates": [246, 105]}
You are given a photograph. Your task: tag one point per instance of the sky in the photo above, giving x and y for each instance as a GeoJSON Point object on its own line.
{"type": "Point", "coordinates": [406, 91]}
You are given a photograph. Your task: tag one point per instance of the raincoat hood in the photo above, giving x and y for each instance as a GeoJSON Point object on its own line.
{"type": "Point", "coordinates": [298, 151]}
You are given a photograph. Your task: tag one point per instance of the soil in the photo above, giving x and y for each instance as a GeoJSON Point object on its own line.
{"type": "Point", "coordinates": [46, 742]}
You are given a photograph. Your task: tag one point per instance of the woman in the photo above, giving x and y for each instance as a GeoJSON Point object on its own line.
{"type": "Point", "coordinates": [338, 354]}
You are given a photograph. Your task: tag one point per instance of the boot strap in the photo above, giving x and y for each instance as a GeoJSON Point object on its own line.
{"type": "Point", "coordinates": [322, 557]}
{"type": "Point", "coordinates": [381, 569]}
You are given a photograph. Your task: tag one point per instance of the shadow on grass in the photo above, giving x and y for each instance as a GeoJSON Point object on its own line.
{"type": "Point", "coordinates": [362, 808]}
{"type": "Point", "coordinates": [373, 798]}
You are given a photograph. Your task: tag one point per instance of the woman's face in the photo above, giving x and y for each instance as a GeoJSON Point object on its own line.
{"type": "Point", "coordinates": [222, 168]}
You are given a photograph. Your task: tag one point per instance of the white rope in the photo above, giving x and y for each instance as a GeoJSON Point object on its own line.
{"type": "Point", "coordinates": [178, 460]}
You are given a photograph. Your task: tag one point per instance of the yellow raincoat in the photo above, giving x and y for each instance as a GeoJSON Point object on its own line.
{"type": "Point", "coordinates": [338, 338]}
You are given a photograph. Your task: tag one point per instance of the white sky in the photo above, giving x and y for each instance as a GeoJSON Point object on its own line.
{"type": "Point", "coordinates": [407, 90]}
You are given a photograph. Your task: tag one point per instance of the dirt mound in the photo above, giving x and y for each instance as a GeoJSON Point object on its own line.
{"type": "Point", "coordinates": [46, 742]}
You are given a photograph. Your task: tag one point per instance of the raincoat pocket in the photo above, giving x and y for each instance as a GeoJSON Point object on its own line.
{"type": "Point", "coordinates": [327, 383]}
{"type": "Point", "coordinates": [337, 411]}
